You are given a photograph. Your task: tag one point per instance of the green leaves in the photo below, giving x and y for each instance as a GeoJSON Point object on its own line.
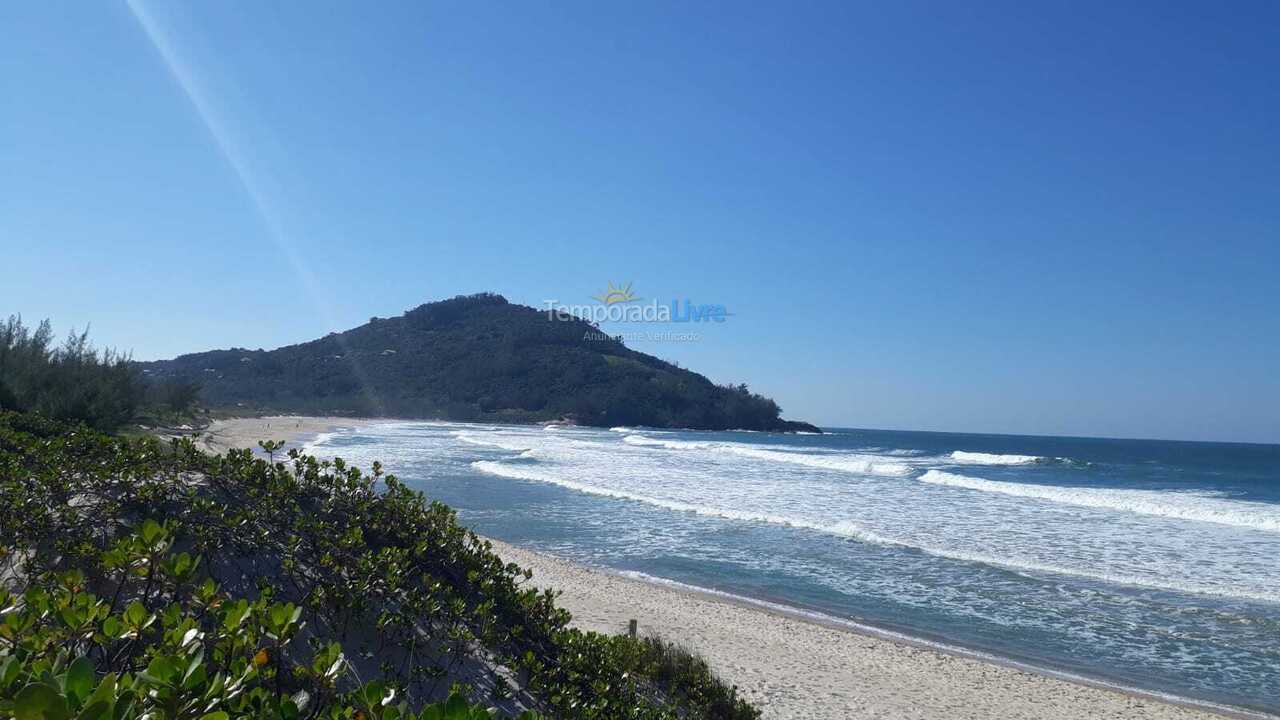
{"type": "Point", "coordinates": [72, 694]}
{"type": "Point", "coordinates": [73, 382]}
{"type": "Point", "coordinates": [180, 568]}
{"type": "Point", "coordinates": [152, 532]}
{"type": "Point", "coordinates": [78, 682]}
{"type": "Point", "coordinates": [307, 553]}
{"type": "Point", "coordinates": [9, 669]}
{"type": "Point", "coordinates": [270, 447]}
{"type": "Point", "coordinates": [136, 619]}
{"type": "Point", "coordinates": [329, 662]}
{"type": "Point", "coordinates": [100, 705]}
{"type": "Point", "coordinates": [40, 701]}
{"type": "Point", "coordinates": [281, 621]}
{"type": "Point", "coordinates": [235, 614]}
{"type": "Point", "coordinates": [113, 628]}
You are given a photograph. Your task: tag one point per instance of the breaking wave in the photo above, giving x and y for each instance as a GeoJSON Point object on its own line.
{"type": "Point", "coordinates": [859, 533]}
{"type": "Point", "coordinates": [859, 464]}
{"type": "Point", "coordinates": [980, 458]}
{"type": "Point", "coordinates": [1193, 506]}
{"type": "Point", "coordinates": [491, 439]}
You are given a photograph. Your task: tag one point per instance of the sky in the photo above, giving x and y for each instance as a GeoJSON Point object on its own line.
{"type": "Point", "coordinates": [1043, 218]}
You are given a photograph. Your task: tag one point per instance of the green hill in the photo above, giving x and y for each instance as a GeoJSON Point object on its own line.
{"type": "Point", "coordinates": [475, 357]}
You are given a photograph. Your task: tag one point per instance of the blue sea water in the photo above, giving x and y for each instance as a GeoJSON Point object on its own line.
{"type": "Point", "coordinates": [1155, 565]}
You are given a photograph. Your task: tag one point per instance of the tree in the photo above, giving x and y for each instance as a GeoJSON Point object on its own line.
{"type": "Point", "coordinates": [180, 395]}
{"type": "Point", "coordinates": [74, 382]}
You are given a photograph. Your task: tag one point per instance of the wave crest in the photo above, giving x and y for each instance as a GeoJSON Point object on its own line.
{"type": "Point", "coordinates": [1195, 507]}
{"type": "Point", "coordinates": [491, 439]}
{"type": "Point", "coordinates": [981, 458]}
{"type": "Point", "coordinates": [859, 533]}
{"type": "Point", "coordinates": [858, 464]}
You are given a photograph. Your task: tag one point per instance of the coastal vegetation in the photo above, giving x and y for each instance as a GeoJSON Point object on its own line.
{"type": "Point", "coordinates": [147, 579]}
{"type": "Point", "coordinates": [142, 578]}
{"type": "Point", "coordinates": [473, 358]}
{"type": "Point", "coordinates": [78, 383]}
{"type": "Point", "coordinates": [68, 382]}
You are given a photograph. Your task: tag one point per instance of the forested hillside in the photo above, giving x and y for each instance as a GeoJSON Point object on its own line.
{"type": "Point", "coordinates": [475, 357]}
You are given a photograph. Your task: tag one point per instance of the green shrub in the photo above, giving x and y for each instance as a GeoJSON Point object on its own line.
{"type": "Point", "coordinates": [192, 653]}
{"type": "Point", "coordinates": [682, 677]}
{"type": "Point", "coordinates": [263, 575]}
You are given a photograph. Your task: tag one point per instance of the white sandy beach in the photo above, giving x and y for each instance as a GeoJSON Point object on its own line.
{"type": "Point", "coordinates": [788, 666]}
{"type": "Point", "coordinates": [240, 433]}
{"type": "Point", "coordinates": [793, 668]}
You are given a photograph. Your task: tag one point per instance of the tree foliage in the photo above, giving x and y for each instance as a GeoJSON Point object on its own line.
{"type": "Point", "coordinates": [71, 382]}
{"type": "Point", "coordinates": [176, 395]}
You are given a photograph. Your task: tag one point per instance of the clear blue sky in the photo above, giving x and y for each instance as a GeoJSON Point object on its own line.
{"type": "Point", "coordinates": [1008, 217]}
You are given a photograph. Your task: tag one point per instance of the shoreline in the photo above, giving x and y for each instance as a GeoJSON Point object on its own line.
{"type": "Point", "coordinates": [796, 664]}
{"type": "Point", "coordinates": [295, 430]}
{"type": "Point", "coordinates": [789, 662]}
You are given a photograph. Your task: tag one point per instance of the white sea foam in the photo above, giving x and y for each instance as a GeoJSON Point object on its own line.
{"type": "Point", "coordinates": [980, 458]}
{"type": "Point", "coordinates": [492, 439]}
{"type": "Point", "coordinates": [861, 533]}
{"type": "Point", "coordinates": [314, 444]}
{"type": "Point", "coordinates": [1114, 574]}
{"type": "Point", "coordinates": [852, 463]}
{"type": "Point", "coordinates": [860, 464]}
{"type": "Point", "coordinates": [535, 474]}
{"type": "Point", "coordinates": [1132, 540]}
{"type": "Point", "coordinates": [1197, 507]}
{"type": "Point", "coordinates": [669, 444]}
{"type": "Point", "coordinates": [528, 472]}
{"type": "Point", "coordinates": [894, 452]}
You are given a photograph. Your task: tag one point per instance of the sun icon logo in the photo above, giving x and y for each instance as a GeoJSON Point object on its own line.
{"type": "Point", "coordinates": [614, 295]}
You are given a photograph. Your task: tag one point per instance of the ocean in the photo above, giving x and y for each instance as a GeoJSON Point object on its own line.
{"type": "Point", "coordinates": [1153, 565]}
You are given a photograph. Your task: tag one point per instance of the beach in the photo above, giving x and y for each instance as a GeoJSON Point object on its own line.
{"type": "Point", "coordinates": [790, 666]}
{"type": "Point", "coordinates": [245, 433]}
{"type": "Point", "coordinates": [793, 668]}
